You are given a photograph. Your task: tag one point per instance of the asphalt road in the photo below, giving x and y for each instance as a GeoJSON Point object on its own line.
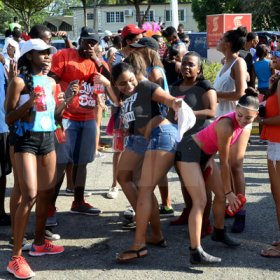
{"type": "Point", "coordinates": [92, 242]}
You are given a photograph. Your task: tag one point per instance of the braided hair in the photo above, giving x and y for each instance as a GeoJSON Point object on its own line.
{"type": "Point", "coordinates": [24, 66]}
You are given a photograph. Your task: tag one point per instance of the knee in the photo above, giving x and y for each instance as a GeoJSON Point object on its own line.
{"type": "Point", "coordinates": [28, 200]}
{"type": "Point", "coordinates": [199, 203]}
{"type": "Point", "coordinates": [123, 177]}
{"type": "Point", "coordinates": [237, 166]}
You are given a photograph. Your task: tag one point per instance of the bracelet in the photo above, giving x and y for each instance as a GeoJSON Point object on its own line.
{"type": "Point", "coordinates": [228, 193]}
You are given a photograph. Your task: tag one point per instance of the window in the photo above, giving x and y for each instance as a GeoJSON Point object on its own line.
{"type": "Point", "coordinates": [149, 17]}
{"type": "Point", "coordinates": [113, 17]}
{"type": "Point", "coordinates": [90, 16]}
{"type": "Point", "coordinates": [181, 15]}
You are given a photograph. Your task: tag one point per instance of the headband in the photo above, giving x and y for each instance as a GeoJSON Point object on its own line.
{"type": "Point", "coordinates": [248, 108]}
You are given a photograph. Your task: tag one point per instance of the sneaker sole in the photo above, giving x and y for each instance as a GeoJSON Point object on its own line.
{"type": "Point", "coordinates": [51, 224]}
{"type": "Point", "coordinates": [20, 277]}
{"type": "Point", "coordinates": [83, 213]}
{"type": "Point", "coordinates": [86, 194]}
{"type": "Point", "coordinates": [166, 215]}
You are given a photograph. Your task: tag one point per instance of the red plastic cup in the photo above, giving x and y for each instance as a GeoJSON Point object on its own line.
{"type": "Point", "coordinates": [60, 135]}
{"type": "Point", "coordinates": [118, 140]}
{"type": "Point", "coordinates": [242, 199]}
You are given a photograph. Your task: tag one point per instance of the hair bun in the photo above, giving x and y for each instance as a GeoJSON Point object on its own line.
{"type": "Point", "coordinates": [251, 92]}
{"type": "Point", "coordinates": [242, 30]}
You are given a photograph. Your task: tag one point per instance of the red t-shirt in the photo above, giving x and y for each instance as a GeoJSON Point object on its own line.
{"type": "Point", "coordinates": [68, 66]}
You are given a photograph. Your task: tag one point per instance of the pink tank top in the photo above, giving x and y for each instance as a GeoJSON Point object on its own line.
{"type": "Point", "coordinates": [208, 135]}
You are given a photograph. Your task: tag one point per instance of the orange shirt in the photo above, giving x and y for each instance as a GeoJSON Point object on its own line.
{"type": "Point", "coordinates": [271, 132]}
{"type": "Point", "coordinates": [68, 66]}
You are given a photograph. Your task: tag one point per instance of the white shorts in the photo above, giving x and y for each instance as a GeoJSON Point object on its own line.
{"type": "Point", "coordinates": [273, 152]}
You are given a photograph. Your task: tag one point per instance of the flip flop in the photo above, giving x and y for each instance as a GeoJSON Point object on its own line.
{"type": "Point", "coordinates": [267, 253]}
{"type": "Point", "coordinates": [137, 254]}
{"type": "Point", "coordinates": [162, 243]}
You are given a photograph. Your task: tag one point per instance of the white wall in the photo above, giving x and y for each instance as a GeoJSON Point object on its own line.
{"type": "Point", "coordinates": [159, 11]}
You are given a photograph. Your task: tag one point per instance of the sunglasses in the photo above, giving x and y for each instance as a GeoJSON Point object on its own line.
{"type": "Point", "coordinates": [275, 53]}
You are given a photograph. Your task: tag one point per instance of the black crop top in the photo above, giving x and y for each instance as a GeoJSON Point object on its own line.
{"type": "Point", "coordinates": [193, 97]}
{"type": "Point", "coordinates": [139, 108]}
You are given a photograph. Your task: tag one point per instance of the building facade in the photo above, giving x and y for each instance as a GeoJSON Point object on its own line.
{"type": "Point", "coordinates": [113, 18]}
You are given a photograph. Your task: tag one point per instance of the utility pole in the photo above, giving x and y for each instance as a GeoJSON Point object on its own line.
{"type": "Point", "coordinates": [174, 10]}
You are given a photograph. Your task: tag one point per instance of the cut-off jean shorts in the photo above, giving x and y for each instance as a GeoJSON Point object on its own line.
{"type": "Point", "coordinates": [163, 137]}
{"type": "Point", "coordinates": [273, 152]}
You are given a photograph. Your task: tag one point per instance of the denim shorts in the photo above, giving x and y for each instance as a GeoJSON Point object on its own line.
{"type": "Point", "coordinates": [80, 143]}
{"type": "Point", "coordinates": [136, 143]}
{"type": "Point", "coordinates": [163, 137]}
{"type": "Point", "coordinates": [37, 143]}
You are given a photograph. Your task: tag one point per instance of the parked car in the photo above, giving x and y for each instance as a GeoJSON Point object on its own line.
{"type": "Point", "coordinates": [198, 43]}
{"type": "Point", "coordinates": [265, 36]}
{"type": "Point", "coordinates": [2, 42]}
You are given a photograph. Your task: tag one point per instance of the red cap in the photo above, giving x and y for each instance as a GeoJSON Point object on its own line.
{"type": "Point", "coordinates": [131, 29]}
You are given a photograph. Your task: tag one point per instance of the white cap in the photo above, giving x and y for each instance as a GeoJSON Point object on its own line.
{"type": "Point", "coordinates": [37, 45]}
{"type": "Point", "coordinates": [107, 33]}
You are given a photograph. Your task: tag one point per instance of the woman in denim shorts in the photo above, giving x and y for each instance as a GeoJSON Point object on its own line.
{"type": "Point", "coordinates": [151, 140]}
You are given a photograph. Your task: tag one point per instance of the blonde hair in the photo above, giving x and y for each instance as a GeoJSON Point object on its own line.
{"type": "Point", "coordinates": [136, 60]}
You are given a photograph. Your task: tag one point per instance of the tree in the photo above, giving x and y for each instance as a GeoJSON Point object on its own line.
{"type": "Point", "coordinates": [62, 7]}
{"type": "Point", "coordinates": [202, 8]}
{"type": "Point", "coordinates": [26, 9]}
{"type": "Point", "coordinates": [137, 4]}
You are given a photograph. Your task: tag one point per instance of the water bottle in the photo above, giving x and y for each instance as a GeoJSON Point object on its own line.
{"type": "Point", "coordinates": [40, 105]}
{"type": "Point", "coordinates": [242, 199]}
{"type": "Point", "coordinates": [60, 134]}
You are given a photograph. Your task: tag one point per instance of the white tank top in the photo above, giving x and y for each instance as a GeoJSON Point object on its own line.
{"type": "Point", "coordinates": [225, 83]}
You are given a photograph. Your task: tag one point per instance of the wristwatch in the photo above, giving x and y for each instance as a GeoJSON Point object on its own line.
{"type": "Point", "coordinates": [261, 120]}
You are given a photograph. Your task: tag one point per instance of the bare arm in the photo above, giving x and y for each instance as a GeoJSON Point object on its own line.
{"type": "Point", "coordinates": [224, 130]}
{"type": "Point", "coordinates": [16, 86]}
{"type": "Point", "coordinates": [210, 101]}
{"type": "Point", "coordinates": [238, 73]}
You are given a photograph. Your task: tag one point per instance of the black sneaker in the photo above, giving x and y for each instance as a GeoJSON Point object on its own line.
{"type": "Point", "coordinates": [5, 220]}
{"type": "Point", "coordinates": [129, 225]}
{"type": "Point", "coordinates": [220, 235]}
{"type": "Point", "coordinates": [199, 256]}
{"type": "Point", "coordinates": [238, 225]}
{"type": "Point", "coordinates": [84, 208]}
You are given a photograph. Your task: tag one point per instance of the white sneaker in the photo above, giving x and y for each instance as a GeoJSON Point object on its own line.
{"type": "Point", "coordinates": [99, 155]}
{"type": "Point", "coordinates": [129, 213]}
{"type": "Point", "coordinates": [113, 192]}
{"type": "Point", "coordinates": [50, 235]}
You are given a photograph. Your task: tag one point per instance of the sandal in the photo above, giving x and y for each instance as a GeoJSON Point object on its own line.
{"type": "Point", "coordinates": [270, 252]}
{"type": "Point", "coordinates": [162, 243]}
{"type": "Point", "coordinates": [137, 254]}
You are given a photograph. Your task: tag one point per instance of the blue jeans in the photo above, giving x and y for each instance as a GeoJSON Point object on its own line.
{"type": "Point", "coordinates": [80, 142]}
{"type": "Point", "coordinates": [136, 143]}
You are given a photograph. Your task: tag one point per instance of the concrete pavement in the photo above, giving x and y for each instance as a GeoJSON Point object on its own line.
{"type": "Point", "coordinates": [92, 242]}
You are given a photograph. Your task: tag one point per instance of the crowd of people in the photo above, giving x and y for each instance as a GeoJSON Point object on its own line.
{"type": "Point", "coordinates": [51, 105]}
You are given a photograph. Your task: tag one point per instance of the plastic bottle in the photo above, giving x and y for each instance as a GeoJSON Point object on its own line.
{"type": "Point", "coordinates": [41, 104]}
{"type": "Point", "coordinates": [60, 134]}
{"type": "Point", "coordinates": [242, 199]}
{"type": "Point", "coordinates": [98, 88]}
{"type": "Point", "coordinates": [118, 140]}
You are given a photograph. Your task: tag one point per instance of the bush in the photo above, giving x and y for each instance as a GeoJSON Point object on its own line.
{"type": "Point", "coordinates": [210, 70]}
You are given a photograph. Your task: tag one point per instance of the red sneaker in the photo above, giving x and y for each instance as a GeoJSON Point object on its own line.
{"type": "Point", "coordinates": [46, 249]}
{"type": "Point", "coordinates": [20, 268]}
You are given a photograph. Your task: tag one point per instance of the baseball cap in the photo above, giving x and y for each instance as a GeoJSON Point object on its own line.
{"type": "Point", "coordinates": [148, 42]}
{"type": "Point", "coordinates": [88, 33]}
{"type": "Point", "coordinates": [107, 33]}
{"type": "Point", "coordinates": [37, 45]}
{"type": "Point", "coordinates": [131, 29]}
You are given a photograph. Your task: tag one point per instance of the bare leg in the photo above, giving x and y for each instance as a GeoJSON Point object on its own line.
{"type": "Point", "coordinates": [69, 176]}
{"type": "Point", "coordinates": [196, 189]}
{"type": "Point", "coordinates": [128, 163]}
{"type": "Point", "coordinates": [116, 159]}
{"type": "Point", "coordinates": [156, 164]}
{"type": "Point", "coordinates": [46, 184]}
{"type": "Point", "coordinates": [26, 164]}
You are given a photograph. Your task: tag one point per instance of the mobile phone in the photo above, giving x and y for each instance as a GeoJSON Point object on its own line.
{"type": "Point", "coordinates": [118, 58]}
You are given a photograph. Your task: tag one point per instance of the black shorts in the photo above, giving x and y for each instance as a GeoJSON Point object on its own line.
{"type": "Point", "coordinates": [5, 162]}
{"type": "Point", "coordinates": [37, 143]}
{"type": "Point", "coordinates": [189, 151]}
{"type": "Point", "coordinates": [12, 135]}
